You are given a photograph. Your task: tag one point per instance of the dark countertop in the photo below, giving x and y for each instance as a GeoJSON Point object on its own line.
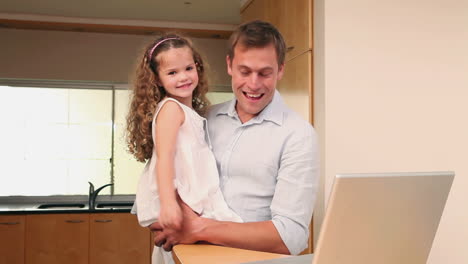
{"type": "Point", "coordinates": [34, 210]}
{"type": "Point", "coordinates": [64, 205]}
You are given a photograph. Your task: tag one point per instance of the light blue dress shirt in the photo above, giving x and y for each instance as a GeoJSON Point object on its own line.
{"type": "Point", "coordinates": [268, 167]}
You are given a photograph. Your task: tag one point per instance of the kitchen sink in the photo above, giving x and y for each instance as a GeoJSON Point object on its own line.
{"type": "Point", "coordinates": [115, 205]}
{"type": "Point", "coordinates": [65, 206]}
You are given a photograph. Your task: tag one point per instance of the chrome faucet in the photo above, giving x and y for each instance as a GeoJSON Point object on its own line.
{"type": "Point", "coordinates": [93, 194]}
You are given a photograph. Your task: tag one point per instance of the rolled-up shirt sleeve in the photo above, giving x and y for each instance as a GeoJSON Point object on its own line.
{"type": "Point", "coordinates": [296, 189]}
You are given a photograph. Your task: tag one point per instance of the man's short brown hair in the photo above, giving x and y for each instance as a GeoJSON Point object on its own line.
{"type": "Point", "coordinates": [258, 34]}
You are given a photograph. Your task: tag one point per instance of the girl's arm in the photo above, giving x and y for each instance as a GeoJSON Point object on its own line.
{"type": "Point", "coordinates": [169, 120]}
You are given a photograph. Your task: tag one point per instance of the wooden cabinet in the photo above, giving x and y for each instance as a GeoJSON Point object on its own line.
{"type": "Point", "coordinates": [296, 23]}
{"type": "Point", "coordinates": [292, 18]}
{"type": "Point", "coordinates": [255, 10]}
{"type": "Point", "coordinates": [97, 238]}
{"type": "Point", "coordinates": [117, 238]}
{"type": "Point", "coordinates": [296, 84]}
{"type": "Point", "coordinates": [57, 238]}
{"type": "Point", "coordinates": [12, 230]}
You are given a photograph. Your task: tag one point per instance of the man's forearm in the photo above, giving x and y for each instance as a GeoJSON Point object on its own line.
{"type": "Point", "coordinates": [260, 236]}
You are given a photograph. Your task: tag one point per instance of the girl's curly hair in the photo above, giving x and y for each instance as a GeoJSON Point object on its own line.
{"type": "Point", "coordinates": [147, 94]}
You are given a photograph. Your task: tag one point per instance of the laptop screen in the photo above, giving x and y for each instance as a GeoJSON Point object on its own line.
{"type": "Point", "coordinates": [382, 217]}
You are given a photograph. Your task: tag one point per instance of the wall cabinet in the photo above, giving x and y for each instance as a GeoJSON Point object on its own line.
{"type": "Point", "coordinates": [98, 238]}
{"type": "Point", "coordinates": [296, 84]}
{"type": "Point", "coordinates": [294, 20]}
{"type": "Point", "coordinates": [12, 230]}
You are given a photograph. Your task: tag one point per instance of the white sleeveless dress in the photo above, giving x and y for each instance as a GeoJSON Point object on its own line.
{"type": "Point", "coordinates": [196, 177]}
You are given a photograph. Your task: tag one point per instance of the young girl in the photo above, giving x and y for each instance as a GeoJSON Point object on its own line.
{"type": "Point", "coordinates": [166, 130]}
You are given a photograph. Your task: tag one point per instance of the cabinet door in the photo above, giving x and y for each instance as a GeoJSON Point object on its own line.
{"type": "Point", "coordinates": [296, 85]}
{"type": "Point", "coordinates": [12, 239]}
{"type": "Point", "coordinates": [292, 18]}
{"type": "Point", "coordinates": [295, 23]}
{"type": "Point", "coordinates": [117, 238]}
{"type": "Point", "coordinates": [57, 238]}
{"type": "Point", "coordinates": [254, 10]}
{"type": "Point", "coordinates": [266, 10]}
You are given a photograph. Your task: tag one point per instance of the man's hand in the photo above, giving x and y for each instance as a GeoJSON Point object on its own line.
{"type": "Point", "coordinates": [169, 237]}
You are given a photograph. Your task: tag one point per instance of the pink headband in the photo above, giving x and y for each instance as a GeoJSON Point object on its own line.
{"type": "Point", "coordinates": [150, 54]}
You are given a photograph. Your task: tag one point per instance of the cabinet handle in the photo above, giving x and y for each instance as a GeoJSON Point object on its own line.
{"type": "Point", "coordinates": [74, 221]}
{"type": "Point", "coordinates": [10, 223]}
{"type": "Point", "coordinates": [288, 49]}
{"type": "Point", "coordinates": [103, 221]}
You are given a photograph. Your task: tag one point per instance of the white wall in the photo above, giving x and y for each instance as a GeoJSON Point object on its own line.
{"type": "Point", "coordinates": [39, 54]}
{"type": "Point", "coordinates": [391, 95]}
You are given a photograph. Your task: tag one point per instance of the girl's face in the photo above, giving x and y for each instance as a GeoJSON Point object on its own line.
{"type": "Point", "coordinates": [178, 73]}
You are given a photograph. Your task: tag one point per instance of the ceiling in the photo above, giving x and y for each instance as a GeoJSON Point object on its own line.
{"type": "Point", "coordinates": [198, 18]}
{"type": "Point", "coordinates": [201, 11]}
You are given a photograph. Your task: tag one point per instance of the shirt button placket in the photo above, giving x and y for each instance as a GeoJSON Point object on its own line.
{"type": "Point", "coordinates": [227, 156]}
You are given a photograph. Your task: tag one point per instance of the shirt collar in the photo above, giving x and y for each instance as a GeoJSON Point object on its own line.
{"type": "Point", "coordinates": [228, 108]}
{"type": "Point", "coordinates": [272, 112]}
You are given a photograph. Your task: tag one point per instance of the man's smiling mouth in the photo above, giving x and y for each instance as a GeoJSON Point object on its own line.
{"type": "Point", "coordinates": [253, 96]}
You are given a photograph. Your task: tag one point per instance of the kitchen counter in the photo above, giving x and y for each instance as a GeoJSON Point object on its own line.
{"type": "Point", "coordinates": [303, 259]}
{"type": "Point", "coordinates": [211, 254]}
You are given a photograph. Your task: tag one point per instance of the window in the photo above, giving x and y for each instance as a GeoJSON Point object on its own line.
{"type": "Point", "coordinates": [55, 140]}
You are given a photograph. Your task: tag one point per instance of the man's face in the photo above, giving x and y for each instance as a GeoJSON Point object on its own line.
{"type": "Point", "coordinates": [254, 73]}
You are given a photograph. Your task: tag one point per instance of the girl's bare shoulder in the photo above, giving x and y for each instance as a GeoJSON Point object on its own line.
{"type": "Point", "coordinates": [170, 111]}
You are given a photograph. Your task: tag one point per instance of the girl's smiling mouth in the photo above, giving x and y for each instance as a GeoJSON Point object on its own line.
{"type": "Point", "coordinates": [184, 86]}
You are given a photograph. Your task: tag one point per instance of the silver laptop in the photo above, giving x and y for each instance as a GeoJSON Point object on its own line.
{"type": "Point", "coordinates": [380, 218]}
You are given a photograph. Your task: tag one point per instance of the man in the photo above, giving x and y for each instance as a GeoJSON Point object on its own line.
{"type": "Point", "coordinates": [267, 156]}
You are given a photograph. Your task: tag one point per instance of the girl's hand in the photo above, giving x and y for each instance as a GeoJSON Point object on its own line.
{"type": "Point", "coordinates": [171, 216]}
{"type": "Point", "coordinates": [192, 225]}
